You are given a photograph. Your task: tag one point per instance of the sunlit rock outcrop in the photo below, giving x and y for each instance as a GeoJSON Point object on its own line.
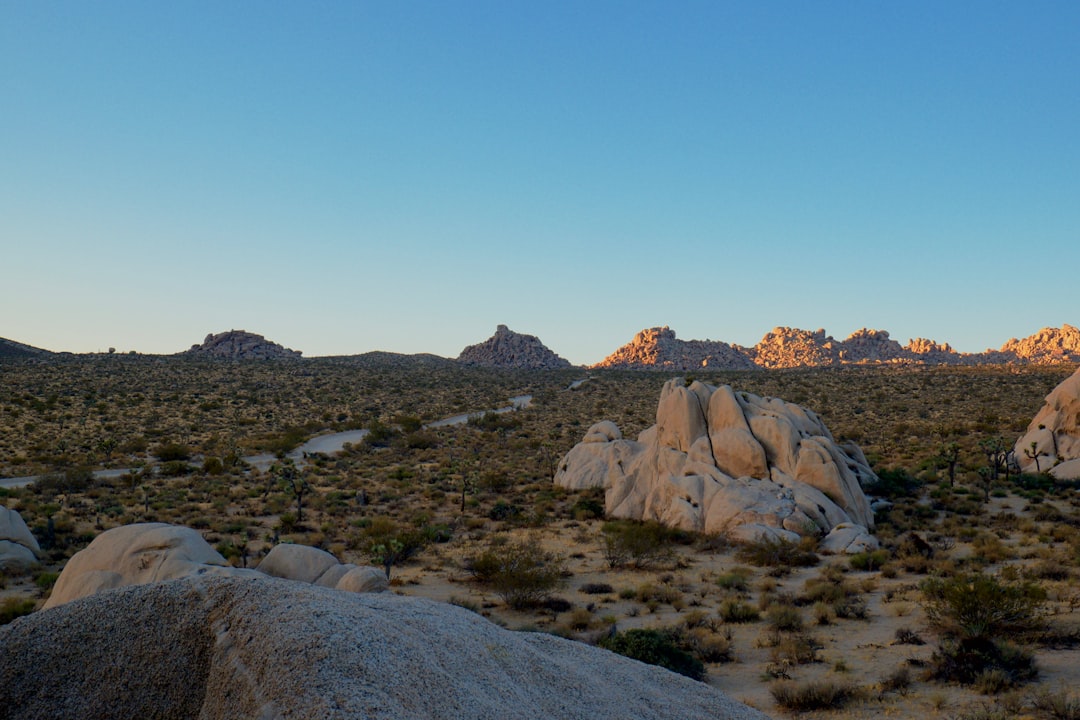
{"type": "Point", "coordinates": [718, 460]}
{"type": "Point", "coordinates": [509, 349]}
{"type": "Point", "coordinates": [1052, 440]}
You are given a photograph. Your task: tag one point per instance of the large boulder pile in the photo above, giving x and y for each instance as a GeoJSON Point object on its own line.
{"type": "Point", "coordinates": [218, 648]}
{"type": "Point", "coordinates": [658, 349]}
{"type": "Point", "coordinates": [509, 349]}
{"type": "Point", "coordinates": [18, 547]}
{"type": "Point", "coordinates": [1048, 346]}
{"type": "Point", "coordinates": [150, 552]}
{"type": "Point", "coordinates": [1052, 440]}
{"type": "Point", "coordinates": [241, 345]}
{"type": "Point", "coordinates": [724, 461]}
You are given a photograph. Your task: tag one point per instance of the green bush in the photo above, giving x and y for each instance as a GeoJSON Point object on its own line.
{"type": "Point", "coordinates": [737, 611]}
{"type": "Point", "coordinates": [12, 608]}
{"type": "Point", "coordinates": [813, 695]}
{"type": "Point", "coordinates": [869, 561]}
{"type": "Point", "coordinates": [767, 552]}
{"type": "Point", "coordinates": [640, 544]}
{"type": "Point", "coordinates": [172, 451]}
{"type": "Point", "coordinates": [521, 573]}
{"type": "Point", "coordinates": [655, 647]}
{"type": "Point", "coordinates": [975, 615]}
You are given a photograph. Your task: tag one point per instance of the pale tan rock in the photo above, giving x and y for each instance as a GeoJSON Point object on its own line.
{"type": "Point", "coordinates": [1055, 430]}
{"type": "Point", "coordinates": [767, 463]}
{"type": "Point", "coordinates": [151, 552]}
{"type": "Point", "coordinates": [604, 431]}
{"type": "Point", "coordinates": [18, 546]}
{"type": "Point", "coordinates": [848, 538]}
{"type": "Point", "coordinates": [219, 648]}
{"type": "Point", "coordinates": [135, 555]}
{"type": "Point", "coordinates": [313, 565]}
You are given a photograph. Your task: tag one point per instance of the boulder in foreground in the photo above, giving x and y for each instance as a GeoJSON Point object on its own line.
{"type": "Point", "coordinates": [220, 648]}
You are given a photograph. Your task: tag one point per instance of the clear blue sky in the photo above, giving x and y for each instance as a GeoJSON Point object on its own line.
{"type": "Point", "coordinates": [351, 176]}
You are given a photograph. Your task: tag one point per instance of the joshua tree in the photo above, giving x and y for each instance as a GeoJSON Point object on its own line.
{"type": "Point", "coordinates": [997, 455]}
{"type": "Point", "coordinates": [1033, 453]}
{"type": "Point", "coordinates": [949, 455]}
{"type": "Point", "coordinates": [290, 478]}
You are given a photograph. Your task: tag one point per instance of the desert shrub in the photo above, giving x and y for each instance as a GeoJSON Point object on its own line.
{"type": "Point", "coordinates": [978, 606]}
{"type": "Point", "coordinates": [587, 509]}
{"type": "Point", "coordinates": [655, 647]}
{"type": "Point", "coordinates": [172, 451]}
{"type": "Point", "coordinates": [869, 561]}
{"type": "Point", "coordinates": [898, 680]}
{"type": "Point", "coordinates": [907, 636]}
{"type": "Point", "coordinates": [11, 608]}
{"type": "Point", "coordinates": [768, 552]}
{"type": "Point", "coordinates": [813, 695]}
{"type": "Point", "coordinates": [638, 543]}
{"type": "Point", "coordinates": [975, 614]}
{"type": "Point", "coordinates": [894, 483]}
{"type": "Point", "coordinates": [597, 589]}
{"type": "Point", "coordinates": [784, 618]}
{"type": "Point", "coordinates": [737, 611]}
{"type": "Point", "coordinates": [213, 466]}
{"type": "Point", "coordinates": [521, 573]}
{"type": "Point", "coordinates": [1056, 704]}
{"type": "Point", "coordinates": [708, 646]}
{"type": "Point", "coordinates": [735, 579]}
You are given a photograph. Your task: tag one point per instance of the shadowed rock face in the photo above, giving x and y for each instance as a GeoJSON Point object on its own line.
{"type": "Point", "coordinates": [724, 461]}
{"type": "Point", "coordinates": [1055, 434]}
{"type": "Point", "coordinates": [222, 648]}
{"type": "Point", "coordinates": [144, 553]}
{"type": "Point", "coordinates": [509, 349]}
{"type": "Point", "coordinates": [241, 345]}
{"type": "Point", "coordinates": [18, 547]}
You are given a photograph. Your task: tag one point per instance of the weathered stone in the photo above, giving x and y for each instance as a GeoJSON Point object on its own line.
{"type": "Point", "coordinates": [151, 552]}
{"type": "Point", "coordinates": [849, 539]}
{"type": "Point", "coordinates": [767, 464]}
{"type": "Point", "coordinates": [507, 348]}
{"type": "Point", "coordinates": [18, 546]}
{"type": "Point", "coordinates": [241, 345]}
{"type": "Point", "coordinates": [1055, 433]}
{"type": "Point", "coordinates": [219, 648]}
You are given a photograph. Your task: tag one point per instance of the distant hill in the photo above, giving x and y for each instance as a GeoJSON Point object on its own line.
{"type": "Point", "coordinates": [509, 349]}
{"type": "Point", "coordinates": [9, 349]}
{"type": "Point", "coordinates": [240, 345]}
{"type": "Point", "coordinates": [784, 347]}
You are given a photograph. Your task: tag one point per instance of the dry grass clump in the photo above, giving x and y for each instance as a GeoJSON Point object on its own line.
{"type": "Point", "coordinates": [814, 694]}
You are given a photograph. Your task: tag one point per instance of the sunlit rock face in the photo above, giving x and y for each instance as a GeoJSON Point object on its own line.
{"type": "Point", "coordinates": [658, 349]}
{"type": "Point", "coordinates": [718, 460]}
{"type": "Point", "coordinates": [785, 347]}
{"type": "Point", "coordinates": [1052, 440]}
{"type": "Point", "coordinates": [509, 349]}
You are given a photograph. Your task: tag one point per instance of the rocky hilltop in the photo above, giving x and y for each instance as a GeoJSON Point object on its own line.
{"type": "Point", "coordinates": [241, 345]}
{"type": "Point", "coordinates": [1049, 345]}
{"type": "Point", "coordinates": [16, 350]}
{"type": "Point", "coordinates": [784, 347]}
{"type": "Point", "coordinates": [508, 349]}
{"type": "Point", "coordinates": [658, 348]}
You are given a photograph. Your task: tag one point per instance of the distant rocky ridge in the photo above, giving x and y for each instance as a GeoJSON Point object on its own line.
{"type": "Point", "coordinates": [509, 349]}
{"type": "Point", "coordinates": [241, 345]}
{"type": "Point", "coordinates": [784, 347]}
{"type": "Point", "coordinates": [12, 349]}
